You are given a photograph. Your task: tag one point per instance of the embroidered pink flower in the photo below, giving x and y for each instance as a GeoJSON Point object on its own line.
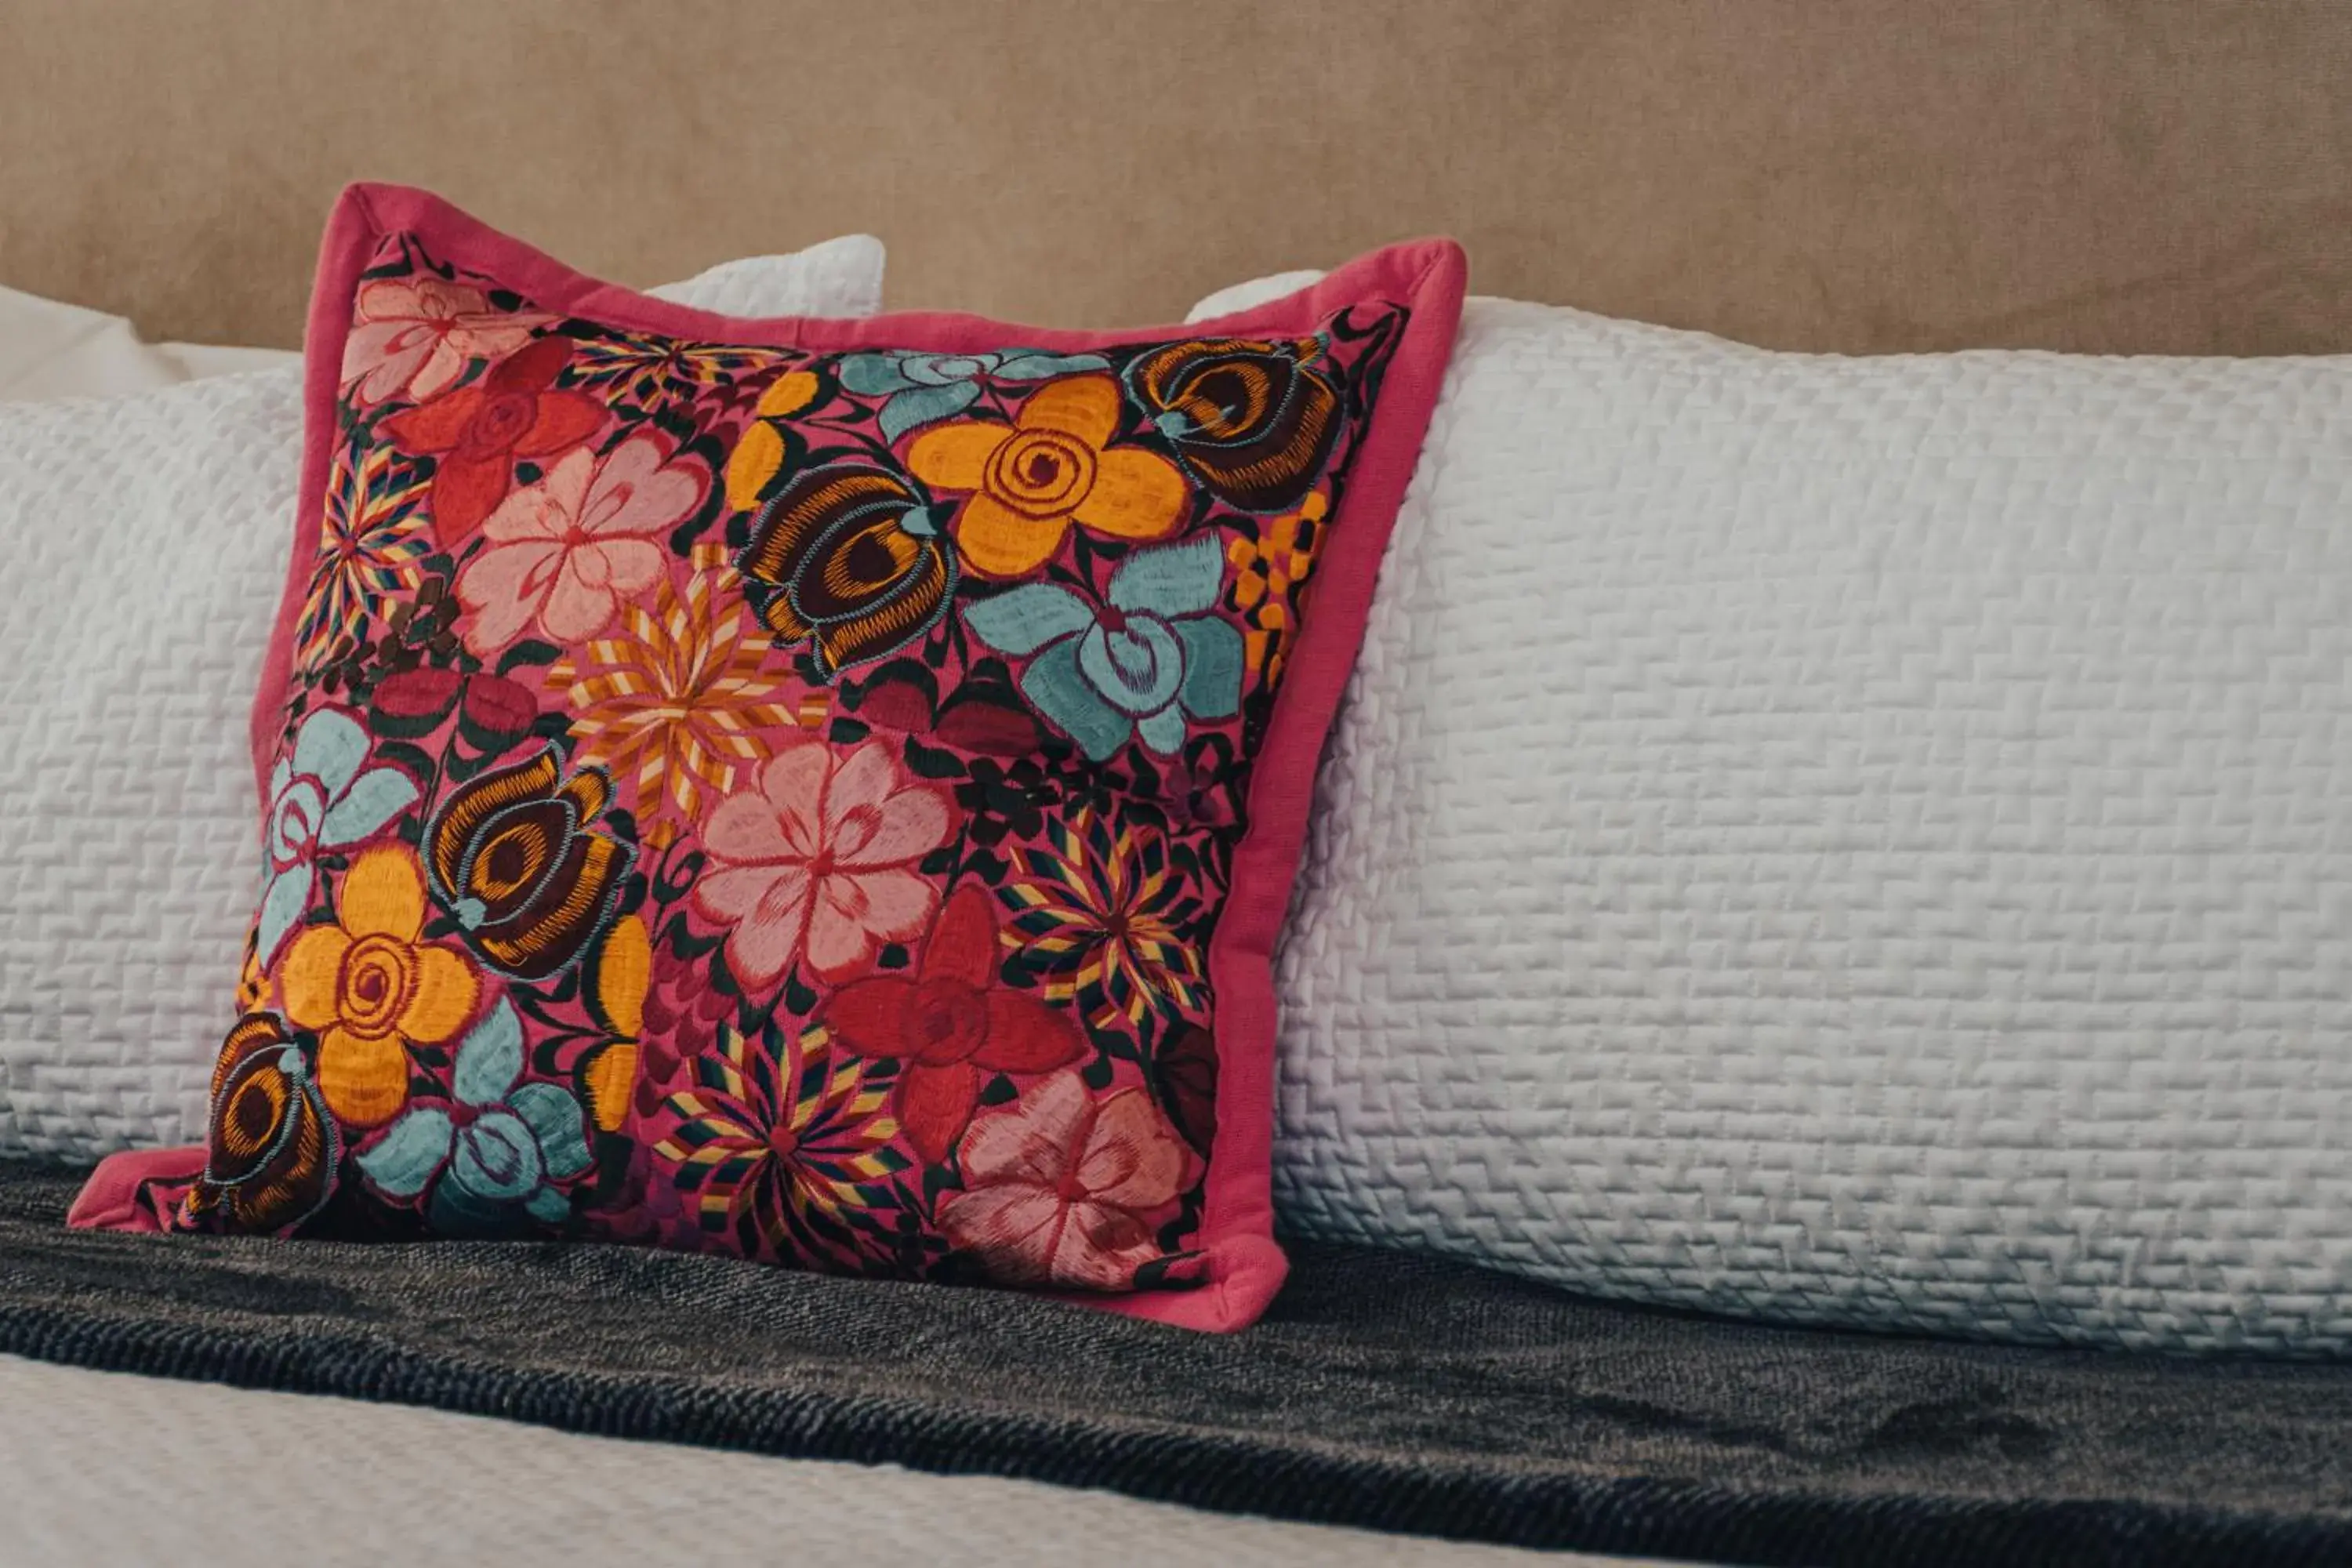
{"type": "Point", "coordinates": [567, 552]}
{"type": "Point", "coordinates": [416, 335]}
{"type": "Point", "coordinates": [1060, 1187]}
{"type": "Point", "coordinates": [817, 860]}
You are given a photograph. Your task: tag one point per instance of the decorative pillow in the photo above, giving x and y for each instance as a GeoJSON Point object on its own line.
{"type": "Point", "coordinates": [145, 540]}
{"type": "Point", "coordinates": [1860, 841]}
{"type": "Point", "coordinates": [51, 349]}
{"type": "Point", "coordinates": [822, 793]}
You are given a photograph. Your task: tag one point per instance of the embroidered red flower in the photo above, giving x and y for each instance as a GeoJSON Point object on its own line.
{"type": "Point", "coordinates": [950, 1023]}
{"type": "Point", "coordinates": [479, 433]}
{"type": "Point", "coordinates": [1060, 1187]}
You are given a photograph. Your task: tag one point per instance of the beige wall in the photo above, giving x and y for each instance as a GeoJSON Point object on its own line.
{"type": "Point", "coordinates": [2134, 175]}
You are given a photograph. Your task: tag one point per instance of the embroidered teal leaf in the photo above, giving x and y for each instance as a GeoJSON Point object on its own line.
{"type": "Point", "coordinates": [1038, 367]}
{"type": "Point", "coordinates": [1163, 731]}
{"type": "Point", "coordinates": [1173, 580]}
{"type": "Point", "coordinates": [497, 1158]}
{"type": "Point", "coordinates": [330, 747]}
{"type": "Point", "coordinates": [938, 370]}
{"type": "Point", "coordinates": [375, 797]}
{"type": "Point", "coordinates": [411, 1150]}
{"type": "Point", "coordinates": [1136, 669]}
{"type": "Point", "coordinates": [922, 404]}
{"type": "Point", "coordinates": [871, 375]}
{"type": "Point", "coordinates": [282, 904]}
{"type": "Point", "coordinates": [549, 1206]}
{"type": "Point", "coordinates": [489, 1058]}
{"type": "Point", "coordinates": [555, 1118]}
{"type": "Point", "coordinates": [1213, 667]}
{"type": "Point", "coordinates": [1027, 618]}
{"type": "Point", "coordinates": [1053, 686]}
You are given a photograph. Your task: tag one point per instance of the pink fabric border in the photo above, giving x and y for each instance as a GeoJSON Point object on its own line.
{"type": "Point", "coordinates": [136, 1190]}
{"type": "Point", "coordinates": [1246, 1266]}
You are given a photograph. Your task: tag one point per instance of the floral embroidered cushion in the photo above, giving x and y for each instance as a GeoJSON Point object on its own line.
{"type": "Point", "coordinates": [818, 791]}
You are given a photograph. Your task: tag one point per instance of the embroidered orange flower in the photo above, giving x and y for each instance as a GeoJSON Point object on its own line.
{"type": "Point", "coordinates": [1051, 467]}
{"type": "Point", "coordinates": [370, 987]}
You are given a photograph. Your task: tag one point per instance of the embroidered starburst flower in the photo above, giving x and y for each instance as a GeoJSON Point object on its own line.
{"type": "Point", "coordinates": [786, 1145]}
{"type": "Point", "coordinates": [684, 698]}
{"type": "Point", "coordinates": [645, 371]}
{"type": "Point", "coordinates": [1100, 911]}
{"type": "Point", "coordinates": [371, 536]}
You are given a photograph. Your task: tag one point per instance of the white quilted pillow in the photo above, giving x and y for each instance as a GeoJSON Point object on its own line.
{"type": "Point", "coordinates": [1860, 841]}
{"type": "Point", "coordinates": [143, 543]}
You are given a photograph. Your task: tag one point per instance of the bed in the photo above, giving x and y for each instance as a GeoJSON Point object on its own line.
{"type": "Point", "coordinates": [1858, 176]}
{"type": "Point", "coordinates": [96, 1473]}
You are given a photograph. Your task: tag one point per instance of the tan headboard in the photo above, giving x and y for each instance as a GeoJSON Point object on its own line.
{"type": "Point", "coordinates": [1855, 175]}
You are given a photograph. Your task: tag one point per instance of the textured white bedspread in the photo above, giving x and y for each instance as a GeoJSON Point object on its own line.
{"type": "Point", "coordinates": [100, 1469]}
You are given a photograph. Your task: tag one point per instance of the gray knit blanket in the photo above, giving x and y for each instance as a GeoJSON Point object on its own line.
{"type": "Point", "coordinates": [1383, 1391]}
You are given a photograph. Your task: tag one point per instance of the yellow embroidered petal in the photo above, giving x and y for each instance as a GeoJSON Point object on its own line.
{"type": "Point", "coordinates": [311, 973]}
{"type": "Point", "coordinates": [624, 970]}
{"type": "Point", "coordinates": [955, 457]}
{"type": "Point", "coordinates": [1084, 407]}
{"type": "Point", "coordinates": [383, 894]}
{"type": "Point", "coordinates": [366, 1081]}
{"type": "Point", "coordinates": [751, 465]}
{"type": "Point", "coordinates": [997, 541]}
{"type": "Point", "coordinates": [1136, 495]}
{"type": "Point", "coordinates": [609, 1077]}
{"type": "Point", "coordinates": [444, 997]}
{"type": "Point", "coordinates": [788, 395]}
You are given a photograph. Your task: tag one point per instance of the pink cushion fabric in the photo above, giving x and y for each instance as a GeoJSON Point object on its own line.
{"type": "Point", "coordinates": [820, 791]}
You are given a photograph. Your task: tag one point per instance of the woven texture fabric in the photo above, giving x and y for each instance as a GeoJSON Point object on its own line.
{"type": "Point", "coordinates": [129, 833]}
{"type": "Point", "coordinates": [1380, 1389]}
{"type": "Point", "coordinates": [1853, 841]}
